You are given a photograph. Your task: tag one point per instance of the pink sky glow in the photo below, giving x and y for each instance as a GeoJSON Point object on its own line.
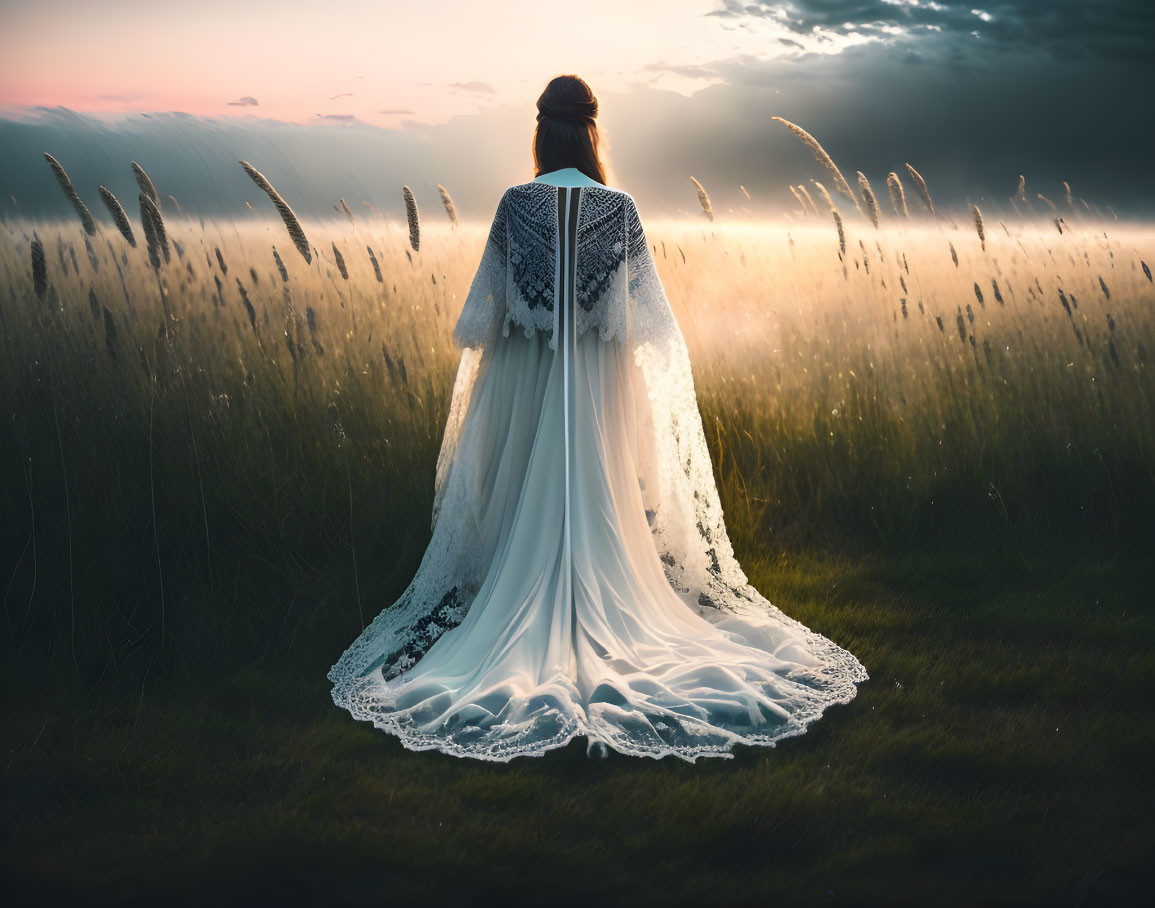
{"type": "Point", "coordinates": [380, 62]}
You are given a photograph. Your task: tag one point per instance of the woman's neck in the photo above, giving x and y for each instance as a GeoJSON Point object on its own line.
{"type": "Point", "coordinates": [566, 176]}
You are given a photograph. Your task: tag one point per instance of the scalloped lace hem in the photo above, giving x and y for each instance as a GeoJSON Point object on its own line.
{"type": "Point", "coordinates": [349, 695]}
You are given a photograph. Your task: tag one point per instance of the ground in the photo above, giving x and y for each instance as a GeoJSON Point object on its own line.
{"type": "Point", "coordinates": [996, 756]}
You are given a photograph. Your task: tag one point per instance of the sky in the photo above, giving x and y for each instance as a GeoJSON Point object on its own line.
{"type": "Point", "coordinates": [383, 63]}
{"type": "Point", "coordinates": [350, 99]}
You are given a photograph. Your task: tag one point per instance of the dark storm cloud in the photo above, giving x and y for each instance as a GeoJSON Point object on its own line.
{"type": "Point", "coordinates": [1045, 89]}
{"type": "Point", "coordinates": [970, 121]}
{"type": "Point", "coordinates": [1067, 29]}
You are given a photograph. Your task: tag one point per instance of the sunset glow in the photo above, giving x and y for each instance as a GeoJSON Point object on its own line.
{"type": "Point", "coordinates": [382, 63]}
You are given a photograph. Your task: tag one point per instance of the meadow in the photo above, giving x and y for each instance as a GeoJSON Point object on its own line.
{"type": "Point", "coordinates": [933, 448]}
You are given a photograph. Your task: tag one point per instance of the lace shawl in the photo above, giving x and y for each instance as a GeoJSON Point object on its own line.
{"type": "Point", "coordinates": [515, 282]}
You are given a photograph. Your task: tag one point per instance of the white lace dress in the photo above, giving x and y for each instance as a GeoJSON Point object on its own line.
{"type": "Point", "coordinates": [579, 580]}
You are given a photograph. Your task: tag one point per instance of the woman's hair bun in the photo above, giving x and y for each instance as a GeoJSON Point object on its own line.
{"type": "Point", "coordinates": [577, 110]}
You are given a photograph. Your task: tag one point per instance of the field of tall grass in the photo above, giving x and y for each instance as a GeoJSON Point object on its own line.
{"type": "Point", "coordinates": [217, 470]}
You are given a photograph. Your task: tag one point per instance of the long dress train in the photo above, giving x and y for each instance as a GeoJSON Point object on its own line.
{"type": "Point", "coordinates": [549, 488]}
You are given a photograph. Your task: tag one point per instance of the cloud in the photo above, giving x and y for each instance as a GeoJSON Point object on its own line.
{"type": "Point", "coordinates": [337, 118]}
{"type": "Point", "coordinates": [1067, 29]}
{"type": "Point", "coordinates": [480, 88]}
{"type": "Point", "coordinates": [874, 107]}
{"type": "Point", "coordinates": [395, 110]}
{"type": "Point", "coordinates": [244, 101]}
{"type": "Point", "coordinates": [124, 97]}
{"type": "Point", "coordinates": [686, 70]}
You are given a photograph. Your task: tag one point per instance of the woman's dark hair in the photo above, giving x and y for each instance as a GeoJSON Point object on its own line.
{"type": "Point", "coordinates": [567, 134]}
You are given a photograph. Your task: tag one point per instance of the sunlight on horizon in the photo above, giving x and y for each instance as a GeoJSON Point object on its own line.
{"type": "Point", "coordinates": [360, 60]}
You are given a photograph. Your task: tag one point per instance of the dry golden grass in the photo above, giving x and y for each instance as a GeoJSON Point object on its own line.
{"type": "Point", "coordinates": [292, 224]}
{"type": "Point", "coordinates": [413, 217]}
{"type": "Point", "coordinates": [922, 188]}
{"type": "Point", "coordinates": [118, 215]}
{"type": "Point", "coordinates": [868, 198]}
{"type": "Point", "coordinates": [920, 357]}
{"type": "Point", "coordinates": [704, 199]}
{"type": "Point", "coordinates": [447, 202]}
{"type": "Point", "coordinates": [70, 192]}
{"type": "Point", "coordinates": [897, 195]}
{"type": "Point", "coordinates": [823, 158]}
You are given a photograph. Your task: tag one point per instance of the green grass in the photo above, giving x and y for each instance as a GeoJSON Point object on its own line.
{"type": "Point", "coordinates": [199, 516]}
{"type": "Point", "coordinates": [996, 756]}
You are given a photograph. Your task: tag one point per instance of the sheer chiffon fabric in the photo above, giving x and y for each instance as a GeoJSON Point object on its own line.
{"type": "Point", "coordinates": [575, 628]}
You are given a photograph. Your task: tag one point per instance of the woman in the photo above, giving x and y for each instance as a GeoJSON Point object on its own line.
{"type": "Point", "coordinates": [580, 580]}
